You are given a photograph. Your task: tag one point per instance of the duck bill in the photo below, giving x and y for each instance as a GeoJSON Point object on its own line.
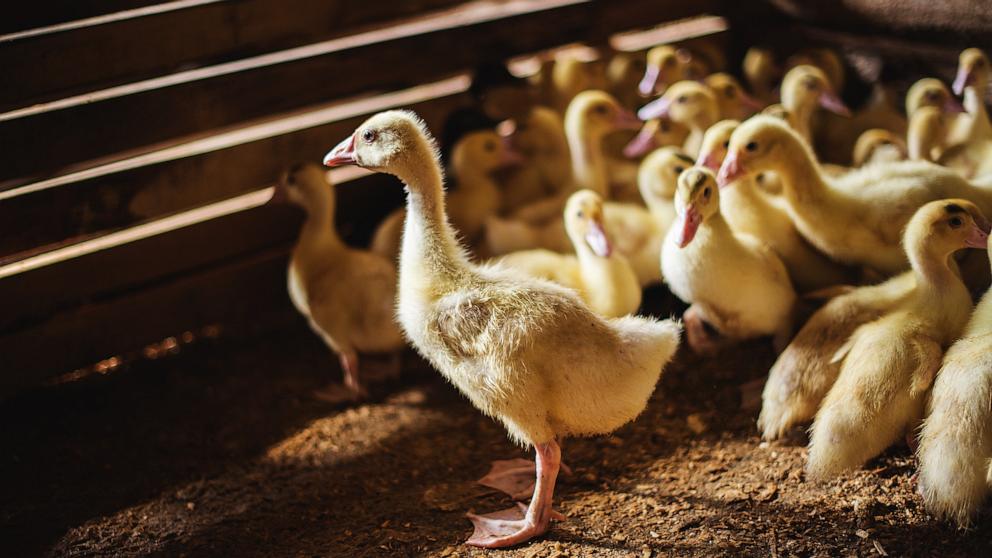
{"type": "Point", "coordinates": [709, 160]}
{"type": "Point", "coordinates": [751, 104]}
{"type": "Point", "coordinates": [625, 120]}
{"type": "Point", "coordinates": [730, 170]}
{"type": "Point", "coordinates": [342, 154]}
{"type": "Point", "coordinates": [687, 225]}
{"type": "Point", "coordinates": [953, 106]}
{"type": "Point", "coordinates": [642, 143]}
{"type": "Point", "coordinates": [961, 80]}
{"type": "Point", "coordinates": [510, 157]}
{"type": "Point", "coordinates": [977, 238]}
{"type": "Point", "coordinates": [834, 104]}
{"type": "Point", "coordinates": [657, 108]}
{"type": "Point", "coordinates": [649, 81]}
{"type": "Point", "coordinates": [597, 240]}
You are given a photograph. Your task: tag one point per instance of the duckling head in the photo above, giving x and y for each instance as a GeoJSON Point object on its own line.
{"type": "Point", "coordinates": [625, 70]}
{"type": "Point", "coordinates": [760, 144]}
{"type": "Point", "coordinates": [716, 140]}
{"type": "Point", "coordinates": [658, 174]}
{"type": "Point", "coordinates": [584, 223]}
{"type": "Point", "coordinates": [596, 113]}
{"type": "Point", "coordinates": [395, 142]}
{"type": "Point", "coordinates": [664, 65]}
{"type": "Point", "coordinates": [973, 69]}
{"type": "Point", "coordinates": [778, 111]}
{"type": "Point", "coordinates": [942, 227]}
{"type": "Point", "coordinates": [687, 102]}
{"type": "Point", "coordinates": [734, 102]}
{"type": "Point", "coordinates": [931, 92]}
{"type": "Point", "coordinates": [655, 133]}
{"type": "Point", "coordinates": [807, 86]}
{"type": "Point", "coordinates": [875, 140]}
{"type": "Point", "coordinates": [926, 133]}
{"type": "Point", "coordinates": [483, 150]}
{"type": "Point", "coordinates": [305, 185]}
{"type": "Point", "coordinates": [697, 198]}
{"type": "Point", "coordinates": [538, 132]}
{"type": "Point", "coordinates": [825, 60]}
{"type": "Point", "coordinates": [760, 67]}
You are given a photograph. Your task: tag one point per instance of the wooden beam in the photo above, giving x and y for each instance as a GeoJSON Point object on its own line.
{"type": "Point", "coordinates": [62, 60]}
{"type": "Point", "coordinates": [21, 16]}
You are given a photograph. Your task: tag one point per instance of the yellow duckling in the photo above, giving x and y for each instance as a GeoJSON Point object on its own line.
{"type": "Point", "coordinates": [971, 133]}
{"type": "Point", "coordinates": [590, 117]}
{"type": "Point", "coordinates": [689, 103]}
{"type": "Point", "coordinates": [878, 145]}
{"type": "Point", "coordinates": [623, 74]}
{"type": "Point", "coordinates": [602, 277]}
{"type": "Point", "coordinates": [856, 219]}
{"type": "Point", "coordinates": [889, 364]}
{"type": "Point", "coordinates": [666, 64]}
{"type": "Point", "coordinates": [540, 139]}
{"type": "Point", "coordinates": [524, 351]}
{"type": "Point", "coordinates": [956, 439]}
{"type": "Point", "coordinates": [932, 111]}
{"type": "Point", "coordinates": [824, 59]}
{"type": "Point", "coordinates": [806, 88]}
{"type": "Point", "coordinates": [749, 209]}
{"type": "Point", "coordinates": [655, 133]}
{"type": "Point", "coordinates": [571, 75]}
{"type": "Point", "coordinates": [734, 282]}
{"type": "Point", "coordinates": [762, 73]}
{"type": "Point", "coordinates": [474, 159]}
{"type": "Point", "coordinates": [806, 370]}
{"type": "Point", "coordinates": [735, 103]}
{"type": "Point", "coordinates": [347, 295]}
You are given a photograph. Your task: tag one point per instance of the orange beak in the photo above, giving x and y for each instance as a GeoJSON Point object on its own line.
{"type": "Point", "coordinates": [688, 223]}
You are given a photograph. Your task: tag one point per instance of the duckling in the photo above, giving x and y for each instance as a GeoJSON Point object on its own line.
{"type": "Point", "coordinates": [836, 136]}
{"type": "Point", "coordinates": [689, 103]}
{"type": "Point", "coordinates": [525, 351]}
{"type": "Point", "coordinates": [856, 219]}
{"type": "Point", "coordinates": [824, 59]}
{"type": "Point", "coordinates": [602, 277]}
{"type": "Point", "coordinates": [734, 102]}
{"type": "Point", "coordinates": [347, 295]}
{"type": "Point", "coordinates": [806, 369]}
{"type": "Point", "coordinates": [623, 74]}
{"type": "Point", "coordinates": [749, 209]}
{"type": "Point", "coordinates": [926, 139]}
{"type": "Point", "coordinates": [878, 145]}
{"type": "Point", "coordinates": [666, 64]}
{"type": "Point", "coordinates": [571, 75]}
{"type": "Point", "coordinates": [637, 232]}
{"type": "Point", "coordinates": [956, 441]}
{"type": "Point", "coordinates": [889, 364]}
{"type": "Point", "coordinates": [474, 159]}
{"type": "Point", "coordinates": [591, 116]}
{"type": "Point", "coordinates": [972, 131]}
{"type": "Point", "coordinates": [655, 133]}
{"type": "Point", "coordinates": [539, 138]}
{"type": "Point", "coordinates": [762, 73]}
{"type": "Point", "coordinates": [734, 283]}
{"type": "Point", "coordinates": [804, 89]}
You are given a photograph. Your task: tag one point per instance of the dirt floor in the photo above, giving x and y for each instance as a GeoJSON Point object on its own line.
{"type": "Point", "coordinates": [220, 450]}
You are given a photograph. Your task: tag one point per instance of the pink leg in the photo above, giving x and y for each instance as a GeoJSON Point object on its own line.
{"type": "Point", "coordinates": [514, 526]}
{"type": "Point", "coordinates": [515, 477]}
{"type": "Point", "coordinates": [351, 389]}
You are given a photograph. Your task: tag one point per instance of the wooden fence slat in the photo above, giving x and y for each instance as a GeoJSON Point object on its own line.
{"type": "Point", "coordinates": [58, 63]}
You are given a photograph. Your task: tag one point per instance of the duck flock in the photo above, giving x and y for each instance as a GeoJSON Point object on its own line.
{"type": "Point", "coordinates": [856, 241]}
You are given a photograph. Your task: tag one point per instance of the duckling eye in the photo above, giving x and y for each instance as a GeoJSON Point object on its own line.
{"type": "Point", "coordinates": [490, 146]}
{"type": "Point", "coordinates": [600, 109]}
{"type": "Point", "coordinates": [668, 62]}
{"type": "Point", "coordinates": [955, 222]}
{"type": "Point", "coordinates": [664, 127]}
{"type": "Point", "coordinates": [706, 192]}
{"type": "Point", "coordinates": [726, 144]}
{"type": "Point", "coordinates": [369, 136]}
{"type": "Point", "coordinates": [580, 214]}
{"type": "Point", "coordinates": [751, 146]}
{"type": "Point", "coordinates": [730, 92]}
{"type": "Point", "coordinates": [979, 63]}
{"type": "Point", "coordinates": [811, 85]}
{"type": "Point", "coordinates": [682, 99]}
{"type": "Point", "coordinates": [678, 169]}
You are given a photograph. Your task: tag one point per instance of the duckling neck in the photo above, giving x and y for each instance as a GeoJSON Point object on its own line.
{"type": "Point", "coordinates": [588, 162]}
{"type": "Point", "coordinates": [802, 116]}
{"type": "Point", "coordinates": [694, 141]}
{"type": "Point", "coordinates": [804, 183]}
{"type": "Point", "coordinates": [429, 243]}
{"type": "Point", "coordinates": [318, 237]}
{"type": "Point", "coordinates": [601, 277]}
{"type": "Point", "coordinates": [974, 103]}
{"type": "Point", "coordinates": [939, 288]}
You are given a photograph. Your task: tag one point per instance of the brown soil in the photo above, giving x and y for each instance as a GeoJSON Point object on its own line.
{"type": "Point", "coordinates": [222, 451]}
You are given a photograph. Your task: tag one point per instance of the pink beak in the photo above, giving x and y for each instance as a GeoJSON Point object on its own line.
{"type": "Point", "coordinates": [342, 154]}
{"type": "Point", "coordinates": [688, 223]}
{"type": "Point", "coordinates": [657, 108]}
{"type": "Point", "coordinates": [625, 120]}
{"type": "Point", "coordinates": [832, 102]}
{"type": "Point", "coordinates": [641, 144]}
{"type": "Point", "coordinates": [646, 86]}
{"type": "Point", "coordinates": [598, 241]}
{"type": "Point", "coordinates": [750, 103]}
{"type": "Point", "coordinates": [730, 170]}
{"type": "Point", "coordinates": [977, 238]}
{"type": "Point", "coordinates": [510, 156]}
{"type": "Point", "coordinates": [953, 106]}
{"type": "Point", "coordinates": [708, 160]}
{"type": "Point", "coordinates": [961, 80]}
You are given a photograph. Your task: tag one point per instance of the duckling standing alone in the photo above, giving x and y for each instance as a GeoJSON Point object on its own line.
{"type": "Point", "coordinates": [524, 351]}
{"type": "Point", "coordinates": [347, 295]}
{"type": "Point", "coordinates": [956, 440]}
{"type": "Point", "coordinates": [889, 364]}
{"type": "Point", "coordinates": [602, 277]}
{"type": "Point", "coordinates": [733, 282]}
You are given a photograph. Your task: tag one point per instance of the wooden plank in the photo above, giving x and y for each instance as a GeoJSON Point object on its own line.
{"type": "Point", "coordinates": [108, 198]}
{"type": "Point", "coordinates": [34, 290]}
{"type": "Point", "coordinates": [236, 293]}
{"type": "Point", "coordinates": [20, 16]}
{"type": "Point", "coordinates": [45, 64]}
